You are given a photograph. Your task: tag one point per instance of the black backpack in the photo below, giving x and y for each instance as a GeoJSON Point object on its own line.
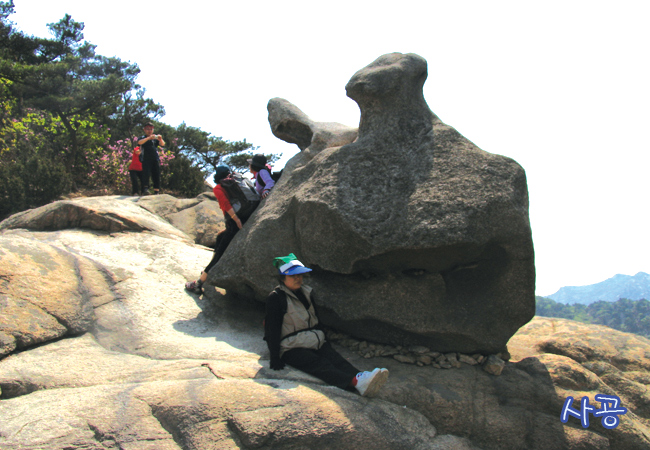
{"type": "Point", "coordinates": [241, 193]}
{"type": "Point", "coordinates": [275, 176]}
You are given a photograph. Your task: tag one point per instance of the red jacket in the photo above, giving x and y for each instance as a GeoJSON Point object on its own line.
{"type": "Point", "coordinates": [222, 198]}
{"type": "Point", "coordinates": [135, 161]}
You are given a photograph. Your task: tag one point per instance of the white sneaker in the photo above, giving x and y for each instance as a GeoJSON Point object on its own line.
{"type": "Point", "coordinates": [369, 383]}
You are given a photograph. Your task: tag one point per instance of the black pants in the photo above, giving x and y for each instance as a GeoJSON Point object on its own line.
{"type": "Point", "coordinates": [223, 240]}
{"type": "Point", "coordinates": [150, 169]}
{"type": "Point", "coordinates": [136, 181]}
{"type": "Point", "coordinates": [225, 237]}
{"type": "Point", "coordinates": [324, 363]}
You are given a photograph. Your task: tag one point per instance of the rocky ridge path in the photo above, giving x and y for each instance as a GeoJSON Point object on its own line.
{"type": "Point", "coordinates": [158, 368]}
{"type": "Point", "coordinates": [104, 349]}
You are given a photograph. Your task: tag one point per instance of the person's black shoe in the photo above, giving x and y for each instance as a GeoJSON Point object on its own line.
{"type": "Point", "coordinates": [194, 287]}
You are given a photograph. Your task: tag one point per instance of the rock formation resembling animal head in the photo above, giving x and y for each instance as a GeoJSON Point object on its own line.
{"type": "Point", "coordinates": [415, 235]}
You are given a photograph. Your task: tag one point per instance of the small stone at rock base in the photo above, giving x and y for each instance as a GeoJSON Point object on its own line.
{"type": "Point", "coordinates": [405, 359]}
{"type": "Point", "coordinates": [445, 365]}
{"type": "Point", "coordinates": [424, 359]}
{"type": "Point", "coordinates": [467, 360]}
{"type": "Point", "coordinates": [478, 357]}
{"type": "Point", "coordinates": [441, 358]}
{"type": "Point", "coordinates": [451, 356]}
{"type": "Point", "coordinates": [453, 360]}
{"type": "Point", "coordinates": [336, 336]}
{"type": "Point", "coordinates": [389, 351]}
{"type": "Point", "coordinates": [419, 349]}
{"type": "Point", "coordinates": [494, 365]}
{"type": "Point", "coordinates": [351, 343]}
{"type": "Point", "coordinates": [435, 365]}
{"type": "Point", "coordinates": [504, 355]}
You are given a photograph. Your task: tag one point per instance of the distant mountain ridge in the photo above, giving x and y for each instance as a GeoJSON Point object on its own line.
{"type": "Point", "coordinates": [635, 287]}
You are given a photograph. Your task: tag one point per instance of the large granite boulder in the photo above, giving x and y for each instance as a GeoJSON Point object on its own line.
{"type": "Point", "coordinates": [200, 217]}
{"type": "Point", "coordinates": [106, 214]}
{"type": "Point", "coordinates": [415, 235]}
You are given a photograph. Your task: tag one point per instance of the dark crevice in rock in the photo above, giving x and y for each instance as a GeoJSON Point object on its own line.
{"type": "Point", "coordinates": [216, 375]}
{"type": "Point", "coordinates": [464, 266]}
{"type": "Point", "coordinates": [107, 441]}
{"type": "Point", "coordinates": [85, 293]}
{"type": "Point", "coordinates": [294, 132]}
{"type": "Point", "coordinates": [445, 294]}
{"type": "Point", "coordinates": [20, 346]}
{"type": "Point", "coordinates": [117, 299]}
{"type": "Point", "coordinates": [70, 331]}
{"type": "Point", "coordinates": [241, 440]}
{"type": "Point", "coordinates": [17, 388]}
{"type": "Point", "coordinates": [108, 302]}
{"type": "Point", "coordinates": [161, 415]}
{"type": "Point", "coordinates": [20, 349]}
{"type": "Point", "coordinates": [414, 272]}
{"type": "Point", "coordinates": [172, 420]}
{"type": "Point", "coordinates": [123, 223]}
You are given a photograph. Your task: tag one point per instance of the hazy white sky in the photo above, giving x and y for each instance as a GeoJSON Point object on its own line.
{"type": "Point", "coordinates": [562, 87]}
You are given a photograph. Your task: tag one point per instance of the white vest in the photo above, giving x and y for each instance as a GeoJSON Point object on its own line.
{"type": "Point", "coordinates": [298, 318]}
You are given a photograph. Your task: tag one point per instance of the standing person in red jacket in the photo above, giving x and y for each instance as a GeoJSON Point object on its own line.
{"type": "Point", "coordinates": [234, 222]}
{"type": "Point", "coordinates": [135, 172]}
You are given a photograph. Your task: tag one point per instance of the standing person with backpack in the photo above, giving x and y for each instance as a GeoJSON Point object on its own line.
{"type": "Point", "coordinates": [150, 159]}
{"type": "Point", "coordinates": [237, 199]}
{"type": "Point", "coordinates": [264, 180]}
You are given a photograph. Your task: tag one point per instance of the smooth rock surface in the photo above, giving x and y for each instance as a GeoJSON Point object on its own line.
{"type": "Point", "coordinates": [163, 369]}
{"type": "Point", "coordinates": [108, 214]}
{"type": "Point", "coordinates": [43, 294]}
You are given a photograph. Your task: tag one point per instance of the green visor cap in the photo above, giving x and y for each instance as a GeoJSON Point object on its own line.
{"type": "Point", "coordinates": [289, 265]}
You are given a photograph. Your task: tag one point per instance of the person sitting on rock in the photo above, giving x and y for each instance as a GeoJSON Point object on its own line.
{"type": "Point", "coordinates": [293, 334]}
{"type": "Point", "coordinates": [234, 222]}
{"type": "Point", "coordinates": [263, 180]}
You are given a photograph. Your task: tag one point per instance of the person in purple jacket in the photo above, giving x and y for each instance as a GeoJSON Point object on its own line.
{"type": "Point", "coordinates": [263, 180]}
